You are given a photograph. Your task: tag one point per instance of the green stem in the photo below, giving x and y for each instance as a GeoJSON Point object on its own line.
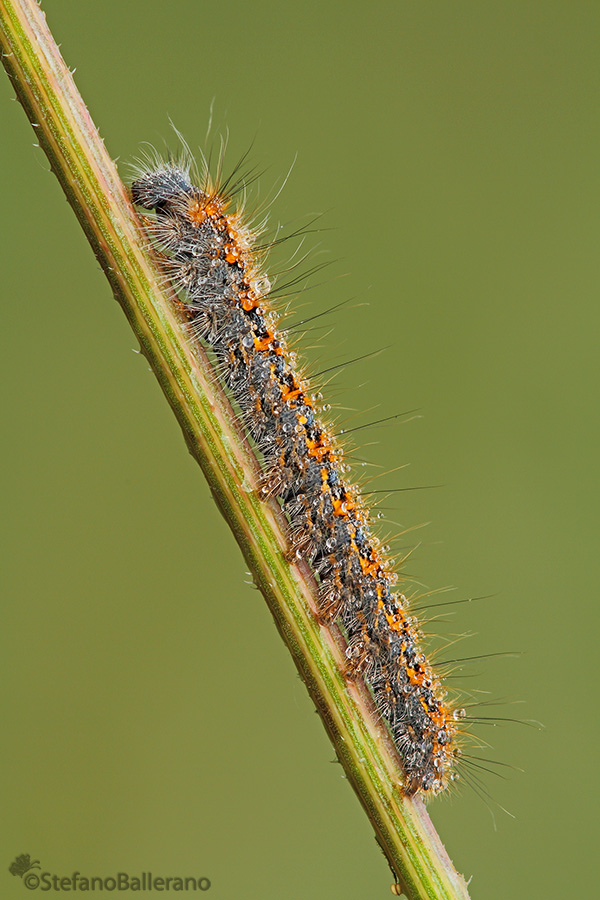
{"type": "Point", "coordinates": [65, 131]}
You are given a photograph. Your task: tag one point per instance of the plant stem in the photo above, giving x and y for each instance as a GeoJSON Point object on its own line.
{"type": "Point", "coordinates": [65, 131]}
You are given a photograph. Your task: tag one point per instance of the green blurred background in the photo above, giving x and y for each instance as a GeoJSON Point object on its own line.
{"type": "Point", "coordinates": [153, 718]}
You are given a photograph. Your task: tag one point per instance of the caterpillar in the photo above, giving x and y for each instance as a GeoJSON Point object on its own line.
{"type": "Point", "coordinates": [212, 257]}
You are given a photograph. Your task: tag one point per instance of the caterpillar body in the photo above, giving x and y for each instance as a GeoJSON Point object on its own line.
{"type": "Point", "coordinates": [213, 260]}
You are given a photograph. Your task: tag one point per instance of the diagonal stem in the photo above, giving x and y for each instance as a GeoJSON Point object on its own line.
{"type": "Point", "coordinates": [65, 131]}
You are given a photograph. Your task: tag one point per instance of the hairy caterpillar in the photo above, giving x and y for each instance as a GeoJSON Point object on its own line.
{"type": "Point", "coordinates": [212, 257]}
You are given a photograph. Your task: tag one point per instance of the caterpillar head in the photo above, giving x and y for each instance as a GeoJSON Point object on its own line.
{"type": "Point", "coordinates": [154, 190]}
